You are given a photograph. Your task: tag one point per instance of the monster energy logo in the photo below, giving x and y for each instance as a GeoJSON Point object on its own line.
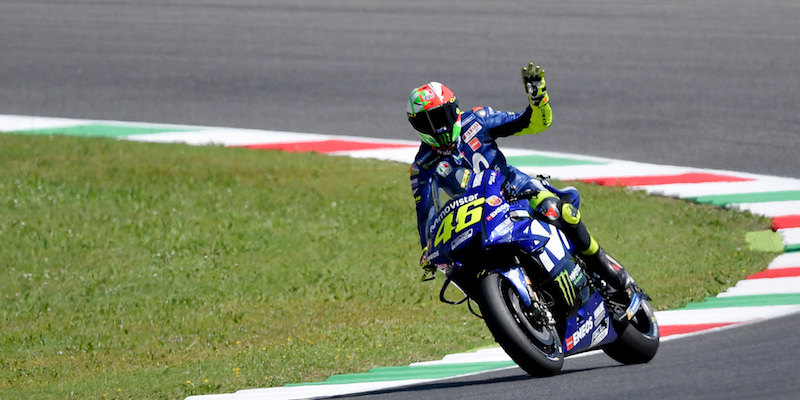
{"type": "Point", "coordinates": [566, 287]}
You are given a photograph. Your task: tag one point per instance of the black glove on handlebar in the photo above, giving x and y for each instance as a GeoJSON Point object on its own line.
{"type": "Point", "coordinates": [526, 195]}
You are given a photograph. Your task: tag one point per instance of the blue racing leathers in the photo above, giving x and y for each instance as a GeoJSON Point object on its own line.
{"type": "Point", "coordinates": [477, 149]}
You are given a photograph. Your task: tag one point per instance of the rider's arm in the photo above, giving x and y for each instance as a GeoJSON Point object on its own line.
{"type": "Point", "coordinates": [420, 189]}
{"type": "Point", "coordinates": [534, 119]}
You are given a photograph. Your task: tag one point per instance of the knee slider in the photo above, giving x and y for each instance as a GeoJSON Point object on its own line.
{"type": "Point", "coordinates": [555, 210]}
{"type": "Point", "coordinates": [570, 214]}
{"type": "Point", "coordinates": [549, 208]}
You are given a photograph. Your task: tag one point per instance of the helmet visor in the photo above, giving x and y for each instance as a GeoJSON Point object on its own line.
{"type": "Point", "coordinates": [438, 122]}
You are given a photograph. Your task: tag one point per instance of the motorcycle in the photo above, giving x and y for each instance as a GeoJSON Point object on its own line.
{"type": "Point", "coordinates": [534, 293]}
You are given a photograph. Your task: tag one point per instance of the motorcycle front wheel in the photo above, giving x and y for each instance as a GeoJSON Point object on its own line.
{"type": "Point", "coordinates": [533, 344]}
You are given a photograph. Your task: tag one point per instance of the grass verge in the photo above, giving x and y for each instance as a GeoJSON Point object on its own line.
{"type": "Point", "coordinates": [135, 270]}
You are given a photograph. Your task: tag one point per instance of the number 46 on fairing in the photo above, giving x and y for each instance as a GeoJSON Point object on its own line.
{"type": "Point", "coordinates": [466, 216]}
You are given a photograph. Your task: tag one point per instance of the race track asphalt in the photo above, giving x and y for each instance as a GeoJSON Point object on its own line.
{"type": "Point", "coordinates": [707, 84]}
{"type": "Point", "coordinates": [735, 363]}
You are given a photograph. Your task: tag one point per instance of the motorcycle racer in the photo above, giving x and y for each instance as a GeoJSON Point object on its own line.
{"type": "Point", "coordinates": [468, 138]}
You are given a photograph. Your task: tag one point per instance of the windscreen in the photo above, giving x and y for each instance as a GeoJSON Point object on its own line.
{"type": "Point", "coordinates": [448, 184]}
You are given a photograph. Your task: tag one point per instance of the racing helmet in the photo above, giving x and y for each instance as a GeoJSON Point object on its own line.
{"type": "Point", "coordinates": [433, 112]}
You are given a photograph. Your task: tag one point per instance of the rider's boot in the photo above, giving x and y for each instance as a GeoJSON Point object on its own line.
{"type": "Point", "coordinates": [621, 284]}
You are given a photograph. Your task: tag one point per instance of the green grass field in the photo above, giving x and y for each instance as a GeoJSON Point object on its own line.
{"type": "Point", "coordinates": [134, 270]}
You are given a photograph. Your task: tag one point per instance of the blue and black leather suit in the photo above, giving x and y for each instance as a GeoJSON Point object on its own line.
{"type": "Point", "coordinates": [477, 149]}
{"type": "Point", "coordinates": [470, 141]}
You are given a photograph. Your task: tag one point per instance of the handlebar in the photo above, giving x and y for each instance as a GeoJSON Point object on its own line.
{"type": "Point", "coordinates": [526, 195]}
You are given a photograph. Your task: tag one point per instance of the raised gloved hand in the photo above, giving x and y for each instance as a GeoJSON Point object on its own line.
{"type": "Point", "coordinates": [535, 86]}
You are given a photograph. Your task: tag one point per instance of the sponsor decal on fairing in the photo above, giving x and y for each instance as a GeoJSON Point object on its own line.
{"type": "Point", "coordinates": [452, 206]}
{"type": "Point", "coordinates": [600, 333]}
{"type": "Point", "coordinates": [579, 334]}
{"type": "Point", "coordinates": [460, 239]}
{"type": "Point", "coordinates": [493, 201]}
{"type": "Point", "coordinates": [576, 274]}
{"type": "Point", "coordinates": [565, 284]}
{"type": "Point", "coordinates": [504, 227]}
{"type": "Point", "coordinates": [497, 211]}
{"type": "Point", "coordinates": [493, 178]}
{"type": "Point", "coordinates": [602, 325]}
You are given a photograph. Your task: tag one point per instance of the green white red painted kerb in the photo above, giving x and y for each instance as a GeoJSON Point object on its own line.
{"type": "Point", "coordinates": [772, 293]}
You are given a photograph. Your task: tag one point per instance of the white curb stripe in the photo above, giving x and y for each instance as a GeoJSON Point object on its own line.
{"type": "Point", "coordinates": [790, 236]}
{"type": "Point", "coordinates": [11, 123]}
{"type": "Point", "coordinates": [684, 190]}
{"type": "Point", "coordinates": [786, 260]}
{"type": "Point", "coordinates": [771, 209]}
{"type": "Point", "coordinates": [224, 137]}
{"type": "Point", "coordinates": [484, 355]}
{"type": "Point", "coordinates": [751, 287]}
{"type": "Point", "coordinates": [616, 169]}
{"type": "Point", "coordinates": [723, 315]}
{"type": "Point", "coordinates": [312, 391]}
{"type": "Point", "coordinates": [401, 155]}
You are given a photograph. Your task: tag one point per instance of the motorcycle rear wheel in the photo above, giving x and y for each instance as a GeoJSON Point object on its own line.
{"type": "Point", "coordinates": [533, 345]}
{"type": "Point", "coordinates": [639, 340]}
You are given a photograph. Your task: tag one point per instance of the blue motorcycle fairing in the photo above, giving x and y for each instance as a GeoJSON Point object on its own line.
{"type": "Point", "coordinates": [545, 241]}
{"type": "Point", "coordinates": [517, 277]}
{"type": "Point", "coordinates": [485, 186]}
{"type": "Point", "coordinates": [590, 327]}
{"type": "Point", "coordinates": [588, 323]}
{"type": "Point", "coordinates": [497, 226]}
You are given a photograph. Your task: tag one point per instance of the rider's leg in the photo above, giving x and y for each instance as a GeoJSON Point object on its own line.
{"type": "Point", "coordinates": [568, 219]}
{"type": "Point", "coordinates": [548, 207]}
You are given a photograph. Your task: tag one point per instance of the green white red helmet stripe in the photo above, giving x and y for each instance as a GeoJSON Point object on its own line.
{"type": "Point", "coordinates": [457, 129]}
{"type": "Point", "coordinates": [433, 112]}
{"type": "Point", "coordinates": [428, 96]}
{"type": "Point", "coordinates": [428, 139]}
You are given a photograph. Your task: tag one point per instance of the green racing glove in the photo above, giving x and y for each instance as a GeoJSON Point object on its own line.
{"type": "Point", "coordinates": [423, 259]}
{"type": "Point", "coordinates": [535, 85]}
{"type": "Point", "coordinates": [427, 268]}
